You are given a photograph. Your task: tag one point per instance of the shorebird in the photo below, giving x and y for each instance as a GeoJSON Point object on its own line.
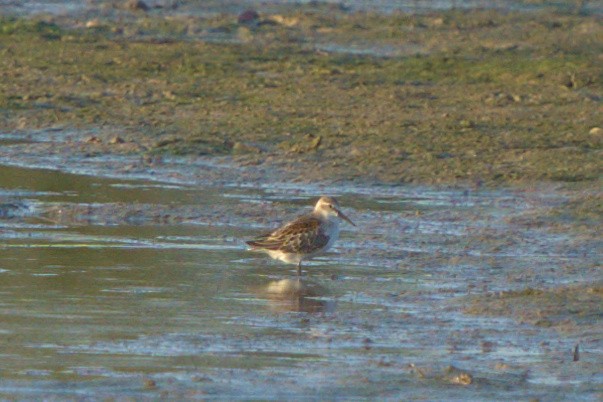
{"type": "Point", "coordinates": [304, 237]}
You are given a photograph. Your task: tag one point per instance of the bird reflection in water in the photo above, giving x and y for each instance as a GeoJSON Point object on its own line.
{"type": "Point", "coordinates": [297, 295]}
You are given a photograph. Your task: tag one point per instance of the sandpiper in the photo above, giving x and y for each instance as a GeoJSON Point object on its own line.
{"type": "Point", "coordinates": [304, 237]}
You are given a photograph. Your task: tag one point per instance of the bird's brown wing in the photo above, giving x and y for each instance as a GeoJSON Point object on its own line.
{"type": "Point", "coordinates": [303, 235]}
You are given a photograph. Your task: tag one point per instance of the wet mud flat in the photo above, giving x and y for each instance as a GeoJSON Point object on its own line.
{"type": "Point", "coordinates": [484, 97]}
{"type": "Point", "coordinates": [129, 277]}
{"type": "Point", "coordinates": [138, 149]}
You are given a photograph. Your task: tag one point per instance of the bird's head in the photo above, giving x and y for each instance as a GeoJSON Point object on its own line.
{"type": "Point", "coordinates": [328, 206]}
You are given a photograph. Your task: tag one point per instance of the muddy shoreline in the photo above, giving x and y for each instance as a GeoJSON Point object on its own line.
{"type": "Point", "coordinates": [455, 292]}
{"type": "Point", "coordinates": [549, 208]}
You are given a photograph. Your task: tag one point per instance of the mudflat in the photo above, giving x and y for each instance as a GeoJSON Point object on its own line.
{"type": "Point", "coordinates": [471, 97]}
{"type": "Point", "coordinates": [467, 142]}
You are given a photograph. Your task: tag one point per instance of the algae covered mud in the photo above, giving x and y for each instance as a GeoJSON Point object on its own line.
{"type": "Point", "coordinates": [485, 96]}
{"type": "Point", "coordinates": [130, 278]}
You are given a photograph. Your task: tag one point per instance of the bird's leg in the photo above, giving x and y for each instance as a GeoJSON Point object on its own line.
{"type": "Point", "coordinates": [299, 268]}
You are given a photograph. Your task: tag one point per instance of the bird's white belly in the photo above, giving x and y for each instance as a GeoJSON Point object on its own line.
{"type": "Point", "coordinates": [290, 258]}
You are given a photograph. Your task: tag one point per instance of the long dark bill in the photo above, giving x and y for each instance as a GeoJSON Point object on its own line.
{"type": "Point", "coordinates": [342, 216]}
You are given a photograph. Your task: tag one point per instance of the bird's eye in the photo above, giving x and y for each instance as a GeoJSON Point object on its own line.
{"type": "Point", "coordinates": [330, 206]}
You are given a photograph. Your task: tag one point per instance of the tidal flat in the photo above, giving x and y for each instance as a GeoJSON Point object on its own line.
{"type": "Point", "coordinates": [499, 98]}
{"type": "Point", "coordinates": [466, 143]}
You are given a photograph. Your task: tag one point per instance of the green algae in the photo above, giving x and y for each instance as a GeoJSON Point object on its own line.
{"type": "Point", "coordinates": [562, 307]}
{"type": "Point", "coordinates": [482, 97]}
{"type": "Point", "coordinates": [44, 29]}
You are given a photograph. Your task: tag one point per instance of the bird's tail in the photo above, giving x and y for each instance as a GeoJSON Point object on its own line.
{"type": "Point", "coordinates": [253, 244]}
{"type": "Point", "coordinates": [263, 243]}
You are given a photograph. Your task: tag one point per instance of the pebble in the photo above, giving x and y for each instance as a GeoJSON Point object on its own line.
{"type": "Point", "coordinates": [137, 5]}
{"type": "Point", "coordinates": [149, 384]}
{"type": "Point", "coordinates": [93, 140]}
{"type": "Point", "coordinates": [248, 17]}
{"type": "Point", "coordinates": [95, 23]}
{"type": "Point", "coordinates": [284, 21]}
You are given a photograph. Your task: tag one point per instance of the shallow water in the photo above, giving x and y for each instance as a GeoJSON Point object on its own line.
{"type": "Point", "coordinates": [136, 282]}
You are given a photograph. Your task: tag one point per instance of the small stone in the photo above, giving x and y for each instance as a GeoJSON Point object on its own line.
{"type": "Point", "coordinates": [314, 141]}
{"type": "Point", "coordinates": [22, 123]}
{"type": "Point", "coordinates": [570, 81]}
{"type": "Point", "coordinates": [93, 140]}
{"type": "Point", "coordinates": [596, 131]}
{"type": "Point", "coordinates": [462, 379]}
{"type": "Point", "coordinates": [248, 17]}
{"type": "Point", "coordinates": [435, 22]}
{"type": "Point", "coordinates": [95, 23]}
{"type": "Point", "coordinates": [116, 140]}
{"type": "Point", "coordinates": [149, 384]}
{"type": "Point", "coordinates": [281, 20]}
{"type": "Point", "coordinates": [311, 143]}
{"type": "Point", "coordinates": [456, 376]}
{"type": "Point", "coordinates": [137, 5]}
{"type": "Point", "coordinates": [487, 346]}
{"type": "Point", "coordinates": [169, 95]}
